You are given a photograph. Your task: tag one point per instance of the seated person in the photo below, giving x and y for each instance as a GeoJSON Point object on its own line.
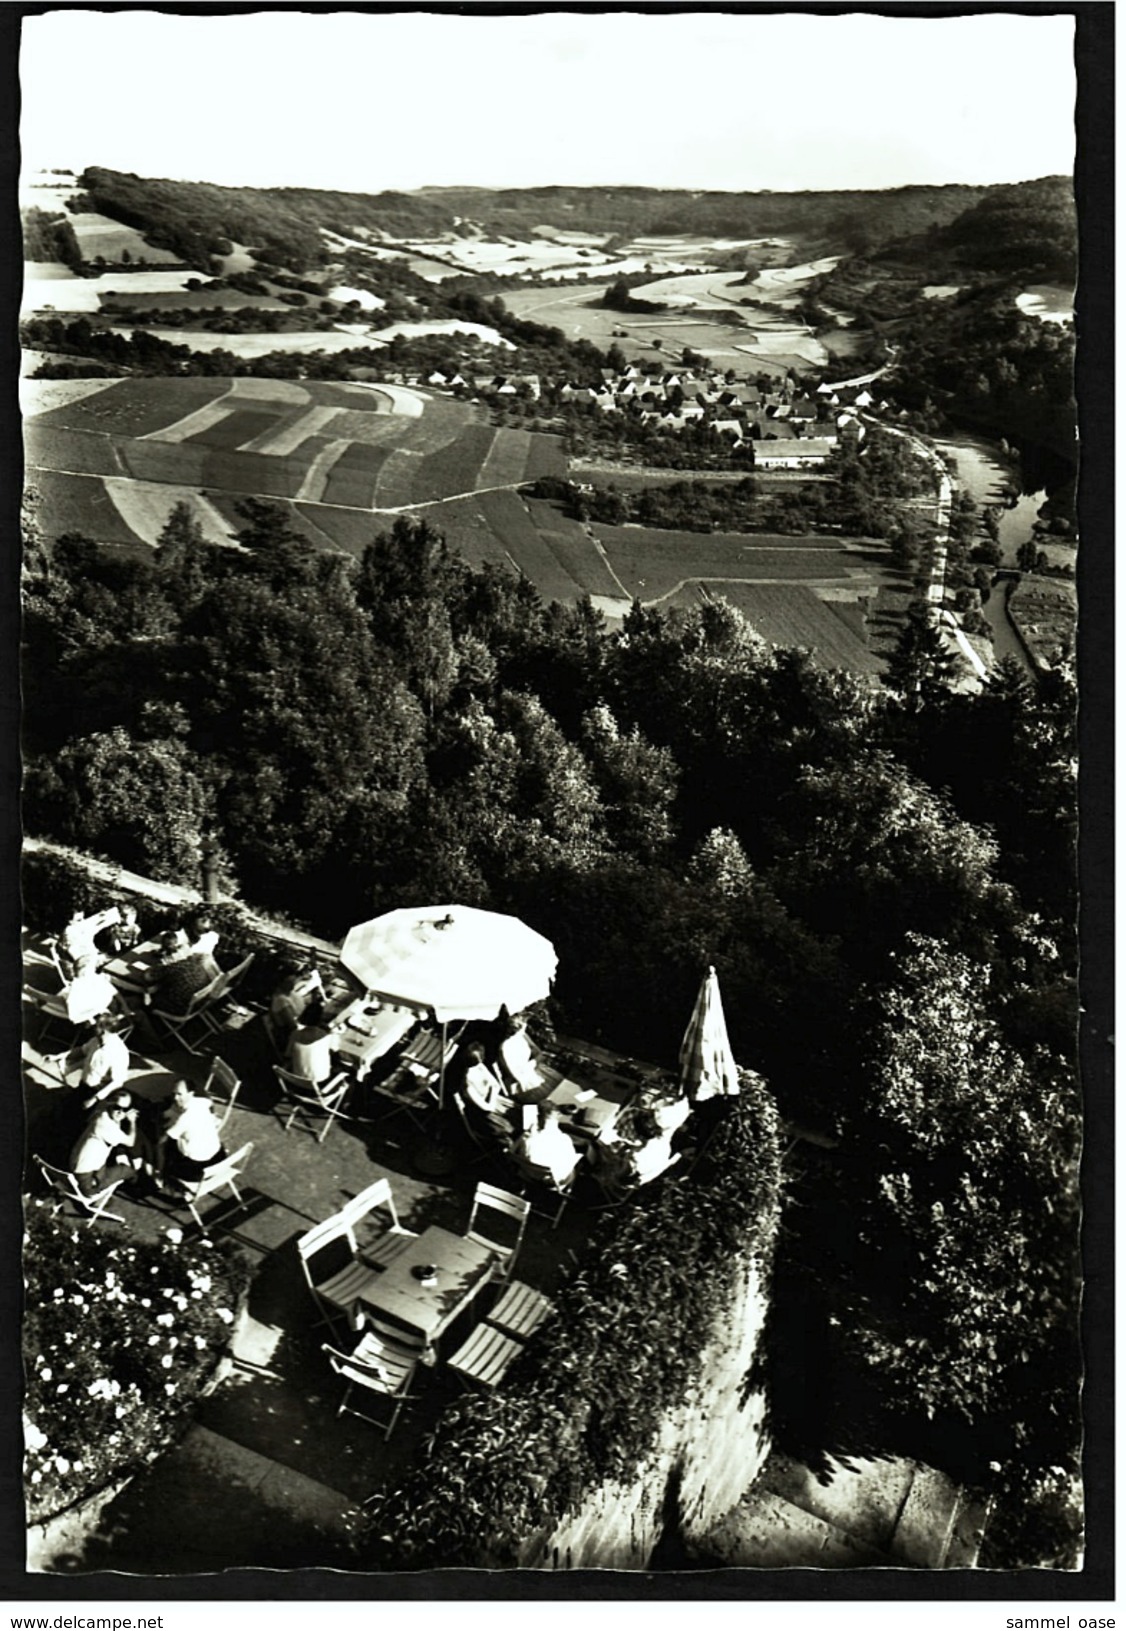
{"type": "Point", "coordinates": [482, 1087]}
{"type": "Point", "coordinates": [545, 1145]}
{"type": "Point", "coordinates": [517, 1062]}
{"type": "Point", "coordinates": [120, 936]}
{"type": "Point", "coordinates": [310, 1051]}
{"type": "Point", "coordinates": [203, 937]}
{"type": "Point", "coordinates": [191, 1142]}
{"type": "Point", "coordinates": [180, 973]}
{"type": "Point", "coordinates": [108, 1151]}
{"type": "Point", "coordinates": [627, 1159]}
{"type": "Point", "coordinates": [669, 1113]}
{"type": "Point", "coordinates": [77, 944]}
{"type": "Point", "coordinates": [288, 1004]}
{"type": "Point", "coordinates": [651, 1157]}
{"type": "Point", "coordinates": [88, 994]}
{"type": "Point", "coordinates": [104, 1060]}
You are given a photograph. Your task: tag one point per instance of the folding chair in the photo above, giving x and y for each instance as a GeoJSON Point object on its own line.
{"type": "Point", "coordinates": [196, 1015]}
{"type": "Point", "coordinates": [55, 1024]}
{"type": "Point", "coordinates": [521, 1310]}
{"type": "Point", "coordinates": [418, 1077]}
{"type": "Point", "coordinates": [54, 956]}
{"type": "Point", "coordinates": [383, 1366]}
{"type": "Point", "coordinates": [310, 1102]}
{"type": "Point", "coordinates": [499, 1141]}
{"type": "Point", "coordinates": [221, 1176]}
{"type": "Point", "coordinates": [497, 1220]}
{"type": "Point", "coordinates": [223, 1085]}
{"type": "Point", "coordinates": [235, 976]}
{"type": "Point", "coordinates": [486, 1355]}
{"type": "Point", "coordinates": [543, 1183]}
{"type": "Point", "coordinates": [334, 1271]}
{"type": "Point", "coordinates": [65, 1185]}
{"type": "Point", "coordinates": [275, 1038]}
{"type": "Point", "coordinates": [394, 1239]}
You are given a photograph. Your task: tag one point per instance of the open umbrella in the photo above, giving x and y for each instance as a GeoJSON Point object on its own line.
{"type": "Point", "coordinates": [456, 961]}
{"type": "Point", "coordinates": [707, 1065]}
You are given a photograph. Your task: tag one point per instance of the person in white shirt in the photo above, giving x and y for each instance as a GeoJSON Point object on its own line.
{"type": "Point", "coordinates": [77, 946]}
{"type": "Point", "coordinates": [191, 1133]}
{"type": "Point", "coordinates": [108, 1152]}
{"type": "Point", "coordinates": [310, 1052]}
{"type": "Point", "coordinates": [104, 1060]}
{"type": "Point", "coordinates": [546, 1146]}
{"type": "Point", "coordinates": [483, 1088]}
{"type": "Point", "coordinates": [517, 1061]}
{"type": "Point", "coordinates": [88, 995]}
{"type": "Point", "coordinates": [203, 938]}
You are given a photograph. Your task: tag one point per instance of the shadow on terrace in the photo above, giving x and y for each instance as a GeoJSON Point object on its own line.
{"type": "Point", "coordinates": [280, 1400]}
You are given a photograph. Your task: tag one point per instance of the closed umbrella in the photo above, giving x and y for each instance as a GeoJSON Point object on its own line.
{"type": "Point", "coordinates": [707, 1064]}
{"type": "Point", "coordinates": [457, 961]}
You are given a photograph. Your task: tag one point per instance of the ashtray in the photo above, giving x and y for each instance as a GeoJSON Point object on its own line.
{"type": "Point", "coordinates": [425, 1273]}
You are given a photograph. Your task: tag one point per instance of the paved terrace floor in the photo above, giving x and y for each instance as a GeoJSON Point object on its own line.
{"type": "Point", "coordinates": [267, 1477]}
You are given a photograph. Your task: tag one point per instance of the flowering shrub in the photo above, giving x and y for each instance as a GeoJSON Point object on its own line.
{"type": "Point", "coordinates": [119, 1338]}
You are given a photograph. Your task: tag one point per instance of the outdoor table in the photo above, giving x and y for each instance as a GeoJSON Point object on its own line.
{"type": "Point", "coordinates": [365, 1031]}
{"type": "Point", "coordinates": [463, 1267]}
{"type": "Point", "coordinates": [133, 970]}
{"type": "Point", "coordinates": [581, 1116]}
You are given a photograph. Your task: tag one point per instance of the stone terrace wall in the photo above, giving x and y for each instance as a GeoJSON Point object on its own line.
{"type": "Point", "coordinates": [709, 1452]}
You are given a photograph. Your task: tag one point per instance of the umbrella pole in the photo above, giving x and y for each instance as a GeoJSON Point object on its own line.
{"type": "Point", "coordinates": [442, 1069]}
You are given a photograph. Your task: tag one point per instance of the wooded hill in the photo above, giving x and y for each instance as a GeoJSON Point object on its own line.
{"type": "Point", "coordinates": [1027, 231]}
{"type": "Point", "coordinates": [198, 220]}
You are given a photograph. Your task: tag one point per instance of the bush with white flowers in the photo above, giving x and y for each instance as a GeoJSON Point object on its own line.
{"type": "Point", "coordinates": [120, 1336]}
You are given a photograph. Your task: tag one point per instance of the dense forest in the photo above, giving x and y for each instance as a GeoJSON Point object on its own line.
{"type": "Point", "coordinates": [884, 880]}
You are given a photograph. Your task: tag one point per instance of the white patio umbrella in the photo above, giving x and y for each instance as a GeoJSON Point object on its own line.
{"type": "Point", "coordinates": [707, 1064]}
{"type": "Point", "coordinates": [457, 961]}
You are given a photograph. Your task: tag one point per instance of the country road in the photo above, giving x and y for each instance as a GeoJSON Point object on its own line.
{"type": "Point", "coordinates": [944, 619]}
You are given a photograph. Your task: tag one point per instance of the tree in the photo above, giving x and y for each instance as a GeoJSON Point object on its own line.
{"type": "Point", "coordinates": [637, 782]}
{"type": "Point", "coordinates": [965, 1183]}
{"type": "Point", "coordinates": [923, 669]}
{"type": "Point", "coordinates": [147, 803]}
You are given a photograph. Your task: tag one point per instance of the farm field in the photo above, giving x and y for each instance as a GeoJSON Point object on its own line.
{"type": "Point", "coordinates": [258, 345]}
{"type": "Point", "coordinates": [793, 615]}
{"type": "Point", "coordinates": [79, 451]}
{"type": "Point", "coordinates": [326, 444]}
{"type": "Point", "coordinates": [576, 552]}
{"type": "Point", "coordinates": [1044, 611]}
{"type": "Point", "coordinates": [653, 563]}
{"type": "Point", "coordinates": [70, 503]}
{"type": "Point", "coordinates": [576, 311]}
{"type": "Point", "coordinates": [135, 407]}
{"type": "Point", "coordinates": [101, 235]}
{"type": "Point", "coordinates": [123, 294]}
{"type": "Point", "coordinates": [145, 506]}
{"type": "Point", "coordinates": [1050, 302]}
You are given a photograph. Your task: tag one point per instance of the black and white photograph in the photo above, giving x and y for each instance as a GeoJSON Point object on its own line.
{"type": "Point", "coordinates": [549, 664]}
